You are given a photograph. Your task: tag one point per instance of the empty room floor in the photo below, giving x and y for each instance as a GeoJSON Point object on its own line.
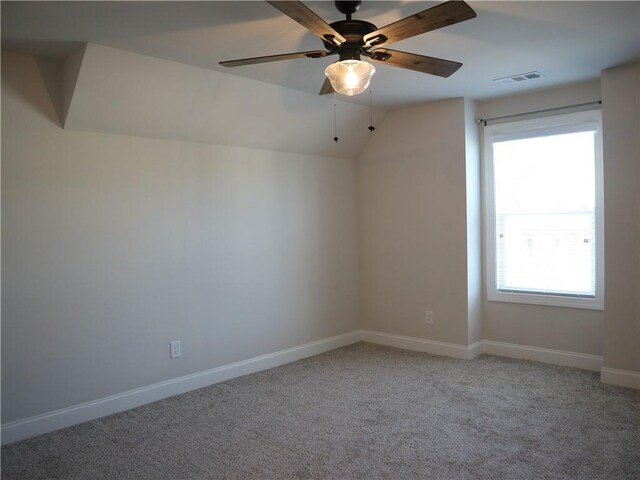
{"type": "Point", "coordinates": [362, 411]}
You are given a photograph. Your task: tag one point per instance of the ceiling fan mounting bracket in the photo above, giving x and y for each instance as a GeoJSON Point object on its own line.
{"type": "Point", "coordinates": [379, 56]}
{"type": "Point", "coordinates": [376, 40]}
{"type": "Point", "coordinates": [330, 41]}
{"type": "Point", "coordinates": [348, 8]}
{"type": "Point", "coordinates": [315, 55]}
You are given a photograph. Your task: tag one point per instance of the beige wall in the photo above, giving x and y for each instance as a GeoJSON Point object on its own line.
{"type": "Point", "coordinates": [413, 236]}
{"type": "Point", "coordinates": [621, 129]}
{"type": "Point", "coordinates": [114, 245]}
{"type": "Point", "coordinates": [474, 222]}
{"type": "Point", "coordinates": [570, 329]}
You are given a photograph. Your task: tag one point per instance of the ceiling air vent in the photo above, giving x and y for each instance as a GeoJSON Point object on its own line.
{"type": "Point", "coordinates": [521, 77]}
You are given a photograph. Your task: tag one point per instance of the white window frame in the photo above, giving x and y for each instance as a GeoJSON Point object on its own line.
{"type": "Point", "coordinates": [557, 124]}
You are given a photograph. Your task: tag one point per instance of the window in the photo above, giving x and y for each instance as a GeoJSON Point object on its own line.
{"type": "Point", "coordinates": [544, 226]}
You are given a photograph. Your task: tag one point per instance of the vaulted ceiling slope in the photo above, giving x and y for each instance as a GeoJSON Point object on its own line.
{"type": "Point", "coordinates": [566, 41]}
{"type": "Point", "coordinates": [114, 91]}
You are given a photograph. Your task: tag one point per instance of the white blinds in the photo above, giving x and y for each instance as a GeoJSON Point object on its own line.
{"type": "Point", "coordinates": [545, 221]}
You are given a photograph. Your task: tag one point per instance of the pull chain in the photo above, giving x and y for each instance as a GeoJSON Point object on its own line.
{"type": "Point", "coordinates": [335, 118]}
{"type": "Point", "coordinates": [371, 127]}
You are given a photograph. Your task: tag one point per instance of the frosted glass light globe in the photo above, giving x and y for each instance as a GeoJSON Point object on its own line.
{"type": "Point", "coordinates": [350, 77]}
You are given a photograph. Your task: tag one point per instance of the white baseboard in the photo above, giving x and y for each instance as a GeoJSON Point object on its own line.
{"type": "Point", "coordinates": [47, 422]}
{"type": "Point", "coordinates": [511, 350]}
{"type": "Point", "coordinates": [620, 378]}
{"type": "Point", "coordinates": [65, 417]}
{"type": "Point", "coordinates": [544, 355]}
{"type": "Point", "coordinates": [474, 350]}
{"type": "Point", "coordinates": [422, 345]}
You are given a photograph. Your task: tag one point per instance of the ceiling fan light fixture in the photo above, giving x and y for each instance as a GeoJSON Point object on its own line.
{"type": "Point", "coordinates": [350, 77]}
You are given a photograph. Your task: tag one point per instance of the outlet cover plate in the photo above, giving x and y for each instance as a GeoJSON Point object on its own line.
{"type": "Point", "coordinates": [175, 349]}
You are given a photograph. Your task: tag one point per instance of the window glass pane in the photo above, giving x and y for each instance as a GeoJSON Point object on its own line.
{"type": "Point", "coordinates": [545, 214]}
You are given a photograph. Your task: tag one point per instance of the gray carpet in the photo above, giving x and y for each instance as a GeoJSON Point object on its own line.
{"type": "Point", "coordinates": [362, 411]}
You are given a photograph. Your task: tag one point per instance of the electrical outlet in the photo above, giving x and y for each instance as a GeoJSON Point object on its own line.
{"type": "Point", "coordinates": [175, 350]}
{"type": "Point", "coordinates": [428, 317]}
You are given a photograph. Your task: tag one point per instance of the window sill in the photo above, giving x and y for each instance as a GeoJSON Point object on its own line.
{"type": "Point", "coordinates": [548, 300]}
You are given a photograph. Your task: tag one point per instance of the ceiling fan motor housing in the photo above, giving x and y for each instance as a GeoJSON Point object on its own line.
{"type": "Point", "coordinates": [353, 31]}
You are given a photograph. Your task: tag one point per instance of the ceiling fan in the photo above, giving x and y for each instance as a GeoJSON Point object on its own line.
{"type": "Point", "coordinates": [350, 39]}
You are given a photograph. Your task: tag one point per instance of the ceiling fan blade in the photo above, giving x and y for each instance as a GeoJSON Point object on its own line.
{"type": "Point", "coordinates": [413, 61]}
{"type": "Point", "coordinates": [433, 18]}
{"type": "Point", "coordinates": [302, 14]}
{"type": "Point", "coordinates": [274, 58]}
{"type": "Point", "coordinates": [327, 88]}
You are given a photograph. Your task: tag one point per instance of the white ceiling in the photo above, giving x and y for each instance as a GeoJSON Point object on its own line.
{"type": "Point", "coordinates": [566, 41]}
